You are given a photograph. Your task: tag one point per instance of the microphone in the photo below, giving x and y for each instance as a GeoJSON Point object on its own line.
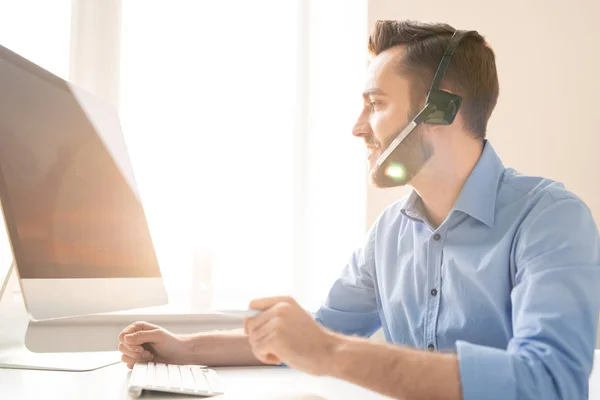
{"type": "Point", "coordinates": [412, 125]}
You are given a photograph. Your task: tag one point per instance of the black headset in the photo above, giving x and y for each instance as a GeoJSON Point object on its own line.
{"type": "Point", "coordinates": [440, 107]}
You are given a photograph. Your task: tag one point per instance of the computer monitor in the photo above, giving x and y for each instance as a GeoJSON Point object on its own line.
{"type": "Point", "coordinates": [72, 209]}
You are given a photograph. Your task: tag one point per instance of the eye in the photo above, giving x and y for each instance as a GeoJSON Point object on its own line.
{"type": "Point", "coordinates": [375, 104]}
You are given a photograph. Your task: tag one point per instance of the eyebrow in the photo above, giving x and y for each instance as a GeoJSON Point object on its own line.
{"type": "Point", "coordinates": [373, 91]}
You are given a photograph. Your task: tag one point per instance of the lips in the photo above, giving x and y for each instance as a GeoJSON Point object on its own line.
{"type": "Point", "coordinates": [372, 148]}
{"type": "Point", "coordinates": [371, 151]}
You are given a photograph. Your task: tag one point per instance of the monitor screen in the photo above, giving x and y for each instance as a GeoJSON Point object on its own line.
{"type": "Point", "coordinates": [67, 188]}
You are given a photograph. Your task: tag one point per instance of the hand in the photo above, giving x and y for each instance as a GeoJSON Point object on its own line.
{"type": "Point", "coordinates": [284, 332]}
{"type": "Point", "coordinates": [143, 342]}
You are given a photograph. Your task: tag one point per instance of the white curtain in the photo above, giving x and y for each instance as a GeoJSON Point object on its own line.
{"type": "Point", "coordinates": [238, 117]}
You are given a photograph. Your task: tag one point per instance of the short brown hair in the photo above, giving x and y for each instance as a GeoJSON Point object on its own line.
{"type": "Point", "coordinates": [471, 73]}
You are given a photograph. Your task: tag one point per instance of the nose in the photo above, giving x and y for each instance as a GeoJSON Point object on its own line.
{"type": "Point", "coordinates": [362, 128]}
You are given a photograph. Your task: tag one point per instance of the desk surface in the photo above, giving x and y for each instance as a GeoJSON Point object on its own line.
{"type": "Point", "coordinates": [241, 383]}
{"type": "Point", "coordinates": [244, 383]}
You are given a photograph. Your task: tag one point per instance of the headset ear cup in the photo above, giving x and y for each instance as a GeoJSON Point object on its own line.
{"type": "Point", "coordinates": [452, 110]}
{"type": "Point", "coordinates": [446, 107]}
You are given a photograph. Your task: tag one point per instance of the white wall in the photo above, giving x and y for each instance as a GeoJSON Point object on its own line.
{"type": "Point", "coordinates": [547, 118]}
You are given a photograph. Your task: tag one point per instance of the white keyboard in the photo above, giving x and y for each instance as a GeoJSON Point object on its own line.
{"type": "Point", "coordinates": [184, 379]}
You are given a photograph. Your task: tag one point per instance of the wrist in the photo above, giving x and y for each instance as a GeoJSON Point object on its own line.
{"type": "Point", "coordinates": [193, 347]}
{"type": "Point", "coordinates": [328, 359]}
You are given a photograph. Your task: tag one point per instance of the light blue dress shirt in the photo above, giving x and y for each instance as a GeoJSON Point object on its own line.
{"type": "Point", "coordinates": [510, 282]}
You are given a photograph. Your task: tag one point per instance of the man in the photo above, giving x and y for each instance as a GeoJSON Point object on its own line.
{"type": "Point", "coordinates": [485, 282]}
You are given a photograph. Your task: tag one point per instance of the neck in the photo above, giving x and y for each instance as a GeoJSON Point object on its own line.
{"type": "Point", "coordinates": [440, 183]}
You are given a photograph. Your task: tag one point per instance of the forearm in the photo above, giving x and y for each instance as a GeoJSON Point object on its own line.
{"type": "Point", "coordinates": [395, 371]}
{"type": "Point", "coordinates": [221, 348]}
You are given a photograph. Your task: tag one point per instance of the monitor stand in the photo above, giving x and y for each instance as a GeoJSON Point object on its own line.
{"type": "Point", "coordinates": [14, 321]}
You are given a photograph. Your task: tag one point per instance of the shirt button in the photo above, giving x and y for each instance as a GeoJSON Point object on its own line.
{"type": "Point", "coordinates": [431, 347]}
{"type": "Point", "coordinates": [434, 292]}
{"type": "Point", "coordinates": [436, 236]}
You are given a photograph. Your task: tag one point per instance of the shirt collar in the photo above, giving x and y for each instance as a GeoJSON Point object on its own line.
{"type": "Point", "coordinates": [413, 207]}
{"type": "Point", "coordinates": [477, 198]}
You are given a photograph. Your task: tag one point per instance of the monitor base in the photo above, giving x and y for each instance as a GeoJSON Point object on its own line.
{"type": "Point", "coordinates": [22, 358]}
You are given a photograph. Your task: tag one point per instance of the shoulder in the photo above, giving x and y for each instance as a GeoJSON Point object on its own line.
{"type": "Point", "coordinates": [538, 197]}
{"type": "Point", "coordinates": [515, 185]}
{"type": "Point", "coordinates": [551, 219]}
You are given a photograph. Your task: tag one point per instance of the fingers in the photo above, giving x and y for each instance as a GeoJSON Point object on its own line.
{"type": "Point", "coordinates": [272, 359]}
{"type": "Point", "coordinates": [267, 302]}
{"type": "Point", "coordinates": [262, 347]}
{"type": "Point", "coordinates": [141, 337]}
{"type": "Point", "coordinates": [264, 329]}
{"type": "Point", "coordinates": [261, 339]}
{"type": "Point", "coordinates": [131, 340]}
{"type": "Point", "coordinates": [135, 327]}
{"type": "Point", "coordinates": [131, 347]}
{"type": "Point", "coordinates": [259, 333]}
{"type": "Point", "coordinates": [128, 352]}
{"type": "Point", "coordinates": [135, 355]}
{"type": "Point", "coordinates": [253, 323]}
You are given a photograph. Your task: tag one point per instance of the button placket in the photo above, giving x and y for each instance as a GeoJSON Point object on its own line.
{"type": "Point", "coordinates": [433, 300]}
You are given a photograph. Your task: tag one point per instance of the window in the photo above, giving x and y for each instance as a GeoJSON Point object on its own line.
{"type": "Point", "coordinates": [238, 118]}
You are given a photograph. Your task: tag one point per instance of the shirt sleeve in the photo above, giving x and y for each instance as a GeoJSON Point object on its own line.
{"type": "Point", "coordinates": [555, 306]}
{"type": "Point", "coordinates": [351, 306]}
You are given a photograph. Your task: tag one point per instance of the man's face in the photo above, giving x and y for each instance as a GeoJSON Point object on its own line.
{"type": "Point", "coordinates": [387, 110]}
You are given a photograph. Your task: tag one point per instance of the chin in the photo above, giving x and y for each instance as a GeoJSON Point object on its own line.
{"type": "Point", "coordinates": [379, 179]}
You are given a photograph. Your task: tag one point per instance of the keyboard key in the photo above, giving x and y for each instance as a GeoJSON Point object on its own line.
{"type": "Point", "coordinates": [187, 378]}
{"type": "Point", "coordinates": [213, 380]}
{"type": "Point", "coordinates": [151, 375]}
{"type": "Point", "coordinates": [162, 376]}
{"type": "Point", "coordinates": [201, 384]}
{"type": "Point", "coordinates": [138, 375]}
{"type": "Point", "coordinates": [174, 376]}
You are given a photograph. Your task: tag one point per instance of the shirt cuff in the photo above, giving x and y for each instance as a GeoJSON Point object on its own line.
{"type": "Point", "coordinates": [485, 372]}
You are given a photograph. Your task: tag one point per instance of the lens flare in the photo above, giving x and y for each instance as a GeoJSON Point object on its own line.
{"type": "Point", "coordinates": [396, 171]}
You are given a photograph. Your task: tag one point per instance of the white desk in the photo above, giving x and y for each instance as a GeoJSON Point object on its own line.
{"type": "Point", "coordinates": [244, 383]}
{"type": "Point", "coordinates": [110, 383]}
